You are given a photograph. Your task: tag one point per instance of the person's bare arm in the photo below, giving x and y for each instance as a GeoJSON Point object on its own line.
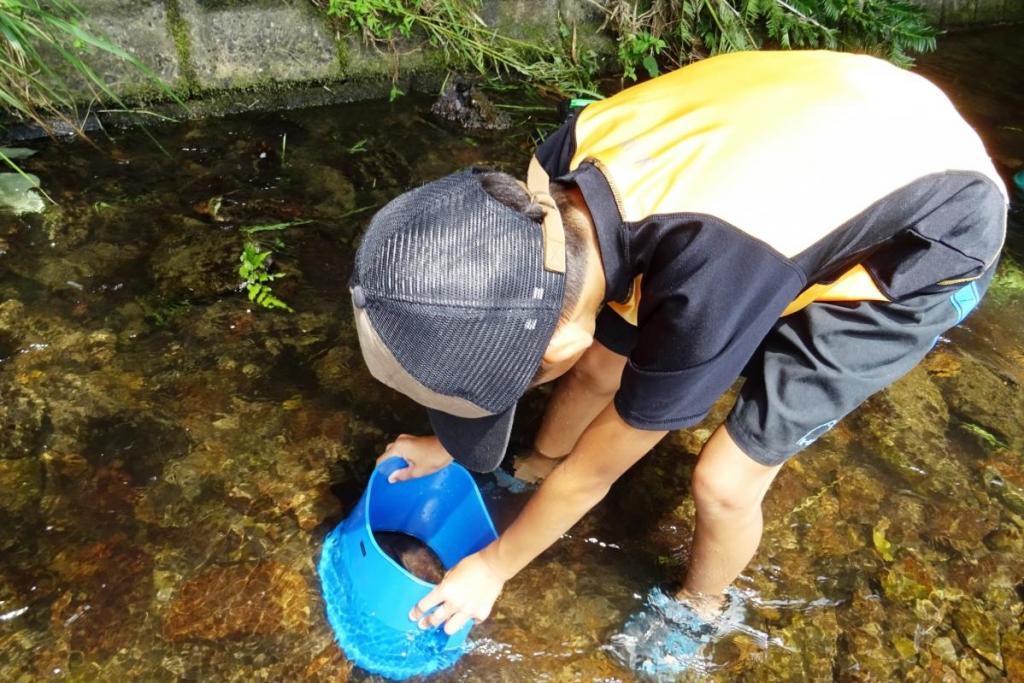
{"type": "Point", "coordinates": [607, 448]}
{"type": "Point", "coordinates": [578, 398]}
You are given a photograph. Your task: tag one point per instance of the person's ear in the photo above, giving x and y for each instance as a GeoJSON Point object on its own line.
{"type": "Point", "coordinates": [569, 340]}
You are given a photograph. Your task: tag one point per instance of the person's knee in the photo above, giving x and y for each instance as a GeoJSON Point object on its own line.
{"type": "Point", "coordinates": [720, 493]}
{"type": "Point", "coordinates": [598, 372]}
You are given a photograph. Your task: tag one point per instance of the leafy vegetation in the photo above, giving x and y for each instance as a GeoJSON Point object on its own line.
{"type": "Point", "coordinates": [255, 261]}
{"type": "Point", "coordinates": [985, 437]}
{"type": "Point", "coordinates": [44, 75]}
{"type": "Point", "coordinates": [44, 67]}
{"type": "Point", "coordinates": [680, 31]}
{"type": "Point", "coordinates": [465, 41]}
{"type": "Point", "coordinates": [650, 34]}
{"type": "Point", "coordinates": [256, 276]}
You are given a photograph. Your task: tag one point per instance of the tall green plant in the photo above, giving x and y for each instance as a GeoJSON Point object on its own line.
{"type": "Point", "coordinates": [40, 43]}
{"type": "Point", "coordinates": [454, 27]}
{"type": "Point", "coordinates": [680, 31]}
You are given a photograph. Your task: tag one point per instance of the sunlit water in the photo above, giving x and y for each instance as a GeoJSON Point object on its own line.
{"type": "Point", "coordinates": [171, 456]}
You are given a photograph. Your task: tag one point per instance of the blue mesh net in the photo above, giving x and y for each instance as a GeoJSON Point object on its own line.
{"type": "Point", "coordinates": [368, 642]}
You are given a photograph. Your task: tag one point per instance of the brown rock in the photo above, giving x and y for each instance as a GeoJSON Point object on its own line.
{"type": "Point", "coordinates": [329, 665]}
{"type": "Point", "coordinates": [21, 484]}
{"type": "Point", "coordinates": [980, 631]}
{"type": "Point", "coordinates": [980, 396]}
{"type": "Point", "coordinates": [1013, 656]}
{"type": "Point", "coordinates": [905, 427]}
{"type": "Point", "coordinates": [105, 580]}
{"type": "Point", "coordinates": [238, 602]}
{"type": "Point", "coordinates": [22, 414]}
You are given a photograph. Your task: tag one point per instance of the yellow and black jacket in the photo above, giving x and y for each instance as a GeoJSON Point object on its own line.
{"type": "Point", "coordinates": [742, 188]}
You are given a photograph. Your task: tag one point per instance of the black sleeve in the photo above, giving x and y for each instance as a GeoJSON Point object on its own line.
{"type": "Point", "coordinates": [710, 295]}
{"type": "Point", "coordinates": [557, 150]}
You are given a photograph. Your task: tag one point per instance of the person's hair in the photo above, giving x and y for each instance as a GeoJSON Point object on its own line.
{"type": "Point", "coordinates": [509, 192]}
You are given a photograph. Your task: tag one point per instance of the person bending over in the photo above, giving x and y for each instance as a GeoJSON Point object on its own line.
{"type": "Point", "coordinates": [810, 219]}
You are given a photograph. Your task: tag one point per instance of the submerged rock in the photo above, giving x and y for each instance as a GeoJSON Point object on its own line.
{"type": "Point", "coordinates": [240, 601]}
{"type": "Point", "coordinates": [140, 443]}
{"type": "Point", "coordinates": [103, 582]}
{"type": "Point", "coordinates": [905, 427]}
{"type": "Point", "coordinates": [979, 396]}
{"type": "Point", "coordinates": [330, 188]}
{"type": "Point", "coordinates": [909, 579]}
{"type": "Point", "coordinates": [1013, 655]}
{"type": "Point", "coordinates": [80, 268]}
{"type": "Point", "coordinates": [417, 558]}
{"type": "Point", "coordinates": [23, 415]}
{"type": "Point", "coordinates": [196, 260]}
{"type": "Point", "coordinates": [980, 631]}
{"type": "Point", "coordinates": [21, 484]}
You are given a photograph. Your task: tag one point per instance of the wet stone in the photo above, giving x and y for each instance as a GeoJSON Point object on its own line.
{"type": "Point", "coordinates": [904, 426]}
{"type": "Point", "coordinates": [416, 557]}
{"type": "Point", "coordinates": [239, 602]}
{"type": "Point", "coordinates": [465, 105]}
{"type": "Point", "coordinates": [196, 260]}
{"type": "Point", "coordinates": [21, 484]}
{"type": "Point", "coordinates": [979, 396]}
{"type": "Point", "coordinates": [23, 416]}
{"type": "Point", "coordinates": [980, 631]}
{"type": "Point", "coordinates": [141, 443]}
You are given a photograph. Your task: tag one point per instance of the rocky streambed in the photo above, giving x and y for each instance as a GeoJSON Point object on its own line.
{"type": "Point", "coordinates": [172, 455]}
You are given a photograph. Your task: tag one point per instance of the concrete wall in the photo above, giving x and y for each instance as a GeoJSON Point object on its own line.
{"type": "Point", "coordinates": [206, 46]}
{"type": "Point", "coordinates": [952, 14]}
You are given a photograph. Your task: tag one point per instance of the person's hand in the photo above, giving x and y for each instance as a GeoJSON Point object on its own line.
{"type": "Point", "coordinates": [467, 592]}
{"type": "Point", "coordinates": [425, 455]}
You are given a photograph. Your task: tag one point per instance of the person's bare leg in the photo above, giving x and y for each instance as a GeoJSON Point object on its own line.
{"type": "Point", "coordinates": [728, 487]}
{"type": "Point", "coordinates": [579, 396]}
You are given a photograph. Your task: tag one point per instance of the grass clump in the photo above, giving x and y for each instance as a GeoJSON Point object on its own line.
{"type": "Point", "coordinates": [43, 49]}
{"type": "Point", "coordinates": [465, 41]}
{"type": "Point", "coordinates": [650, 34]}
{"type": "Point", "coordinates": [40, 43]}
{"type": "Point", "coordinates": [675, 32]}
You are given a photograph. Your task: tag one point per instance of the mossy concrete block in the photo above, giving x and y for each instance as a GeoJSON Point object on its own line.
{"type": "Point", "coordinates": [1013, 10]}
{"type": "Point", "coordinates": [934, 9]}
{"type": "Point", "coordinates": [586, 18]}
{"type": "Point", "coordinates": [242, 44]}
{"type": "Point", "coordinates": [959, 12]}
{"type": "Point", "coordinates": [140, 28]}
{"type": "Point", "coordinates": [366, 61]}
{"type": "Point", "coordinates": [532, 20]}
{"type": "Point", "coordinates": [989, 12]}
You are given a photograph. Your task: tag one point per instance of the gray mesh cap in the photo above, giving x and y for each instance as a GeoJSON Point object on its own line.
{"type": "Point", "coordinates": [454, 308]}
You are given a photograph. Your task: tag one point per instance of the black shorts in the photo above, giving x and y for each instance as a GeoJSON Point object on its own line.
{"type": "Point", "coordinates": [818, 364]}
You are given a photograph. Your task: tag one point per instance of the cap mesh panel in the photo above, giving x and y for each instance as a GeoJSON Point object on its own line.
{"type": "Point", "coordinates": [451, 278]}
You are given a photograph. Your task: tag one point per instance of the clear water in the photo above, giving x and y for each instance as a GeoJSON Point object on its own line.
{"type": "Point", "coordinates": [171, 457]}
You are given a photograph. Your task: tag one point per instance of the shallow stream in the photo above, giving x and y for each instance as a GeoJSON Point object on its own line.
{"type": "Point", "coordinates": [172, 456]}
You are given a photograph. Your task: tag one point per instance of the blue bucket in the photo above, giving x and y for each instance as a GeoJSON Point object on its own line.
{"type": "Point", "coordinates": [369, 595]}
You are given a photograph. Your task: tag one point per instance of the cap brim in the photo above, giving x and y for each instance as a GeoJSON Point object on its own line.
{"type": "Point", "coordinates": [477, 443]}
